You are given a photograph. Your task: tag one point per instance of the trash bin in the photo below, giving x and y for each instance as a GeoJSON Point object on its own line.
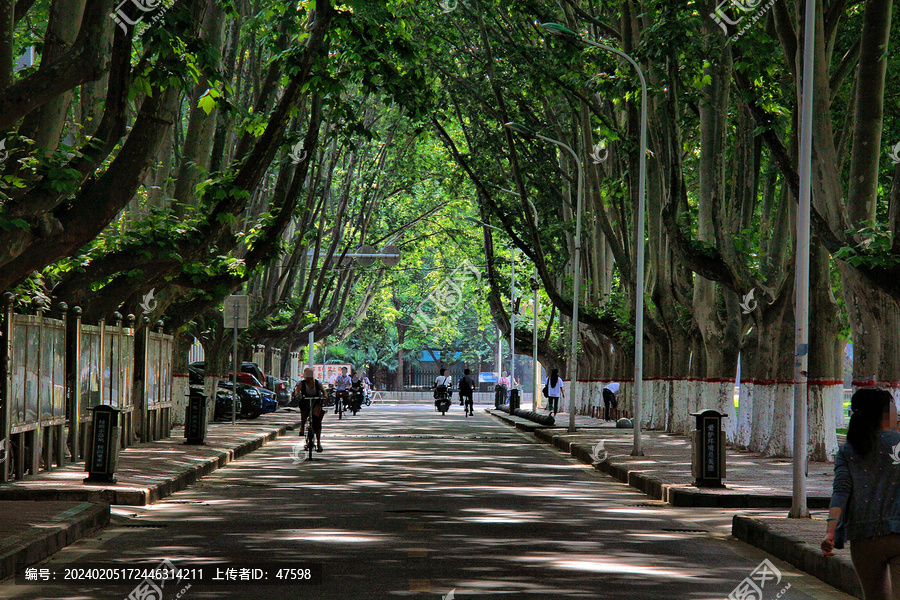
{"type": "Point", "coordinates": [195, 419]}
{"type": "Point", "coordinates": [102, 452]}
{"type": "Point", "coordinates": [708, 456]}
{"type": "Point", "coordinates": [513, 400]}
{"type": "Point", "coordinates": [499, 395]}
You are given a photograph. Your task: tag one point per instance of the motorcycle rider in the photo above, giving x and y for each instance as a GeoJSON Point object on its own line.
{"type": "Point", "coordinates": [442, 380]}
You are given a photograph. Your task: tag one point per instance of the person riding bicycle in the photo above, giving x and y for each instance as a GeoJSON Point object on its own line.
{"type": "Point", "coordinates": [441, 386]}
{"type": "Point", "coordinates": [466, 390]}
{"type": "Point", "coordinates": [311, 393]}
{"type": "Point", "coordinates": [367, 385]}
{"type": "Point", "coordinates": [342, 385]}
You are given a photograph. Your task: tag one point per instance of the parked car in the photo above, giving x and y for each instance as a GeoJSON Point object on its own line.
{"type": "Point", "coordinates": [224, 398]}
{"type": "Point", "coordinates": [282, 390]}
{"type": "Point", "coordinates": [251, 400]}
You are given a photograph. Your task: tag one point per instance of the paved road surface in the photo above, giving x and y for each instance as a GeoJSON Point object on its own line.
{"type": "Point", "coordinates": [406, 503]}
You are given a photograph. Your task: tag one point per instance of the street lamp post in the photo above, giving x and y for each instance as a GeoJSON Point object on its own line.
{"type": "Point", "coordinates": [512, 310]}
{"type": "Point", "coordinates": [636, 450]}
{"type": "Point", "coordinates": [573, 350]}
{"type": "Point", "coordinates": [536, 365]}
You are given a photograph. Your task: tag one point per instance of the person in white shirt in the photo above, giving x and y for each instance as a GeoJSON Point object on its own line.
{"type": "Point", "coordinates": [342, 385]}
{"type": "Point", "coordinates": [555, 389]}
{"type": "Point", "coordinates": [442, 381]}
{"type": "Point", "coordinates": [610, 399]}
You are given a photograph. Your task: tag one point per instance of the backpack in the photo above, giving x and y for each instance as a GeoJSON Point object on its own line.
{"type": "Point", "coordinates": [465, 384]}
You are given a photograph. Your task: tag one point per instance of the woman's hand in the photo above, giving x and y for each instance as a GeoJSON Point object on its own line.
{"type": "Point", "coordinates": [828, 544]}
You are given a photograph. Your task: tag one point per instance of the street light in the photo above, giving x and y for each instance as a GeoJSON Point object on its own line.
{"type": "Point", "coordinates": [636, 450]}
{"type": "Point", "coordinates": [512, 313]}
{"type": "Point", "coordinates": [536, 365]}
{"type": "Point", "coordinates": [573, 350]}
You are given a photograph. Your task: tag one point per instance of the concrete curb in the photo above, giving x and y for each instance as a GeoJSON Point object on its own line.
{"type": "Point", "coordinates": [155, 489]}
{"type": "Point", "coordinates": [41, 541]}
{"type": "Point", "coordinates": [836, 571]}
{"type": "Point", "coordinates": [674, 494]}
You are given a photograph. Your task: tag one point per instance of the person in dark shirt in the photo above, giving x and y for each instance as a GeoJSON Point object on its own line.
{"type": "Point", "coordinates": [865, 501]}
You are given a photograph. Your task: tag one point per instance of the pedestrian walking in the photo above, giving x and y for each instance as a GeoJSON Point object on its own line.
{"type": "Point", "coordinates": [610, 400]}
{"type": "Point", "coordinates": [555, 390]}
{"type": "Point", "coordinates": [865, 501]}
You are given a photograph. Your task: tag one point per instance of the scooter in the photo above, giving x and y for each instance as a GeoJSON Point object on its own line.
{"type": "Point", "coordinates": [443, 399]}
{"type": "Point", "coordinates": [355, 402]}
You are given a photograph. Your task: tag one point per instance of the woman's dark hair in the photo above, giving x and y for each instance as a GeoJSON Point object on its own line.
{"type": "Point", "coordinates": [554, 377]}
{"type": "Point", "coordinates": [443, 372]}
{"type": "Point", "coordinates": [868, 406]}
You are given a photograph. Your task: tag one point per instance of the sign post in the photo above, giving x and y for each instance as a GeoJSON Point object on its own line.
{"type": "Point", "coordinates": [237, 315]}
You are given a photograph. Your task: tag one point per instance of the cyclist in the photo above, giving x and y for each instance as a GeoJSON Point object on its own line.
{"type": "Point", "coordinates": [342, 385]}
{"type": "Point", "coordinates": [466, 390]}
{"type": "Point", "coordinates": [311, 393]}
{"type": "Point", "coordinates": [367, 386]}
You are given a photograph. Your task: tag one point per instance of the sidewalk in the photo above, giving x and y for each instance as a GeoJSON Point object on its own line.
{"type": "Point", "coordinates": [753, 482]}
{"type": "Point", "coordinates": [44, 513]}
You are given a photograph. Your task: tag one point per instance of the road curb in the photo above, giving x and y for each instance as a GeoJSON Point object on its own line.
{"type": "Point", "coordinates": [836, 571]}
{"type": "Point", "coordinates": [675, 494]}
{"type": "Point", "coordinates": [41, 541]}
{"type": "Point", "coordinates": [154, 490]}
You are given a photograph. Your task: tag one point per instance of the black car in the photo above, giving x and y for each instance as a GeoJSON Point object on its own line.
{"type": "Point", "coordinates": [251, 401]}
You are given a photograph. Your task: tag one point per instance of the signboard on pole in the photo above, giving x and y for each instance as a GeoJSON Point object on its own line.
{"type": "Point", "coordinates": [327, 373]}
{"type": "Point", "coordinates": [237, 312]}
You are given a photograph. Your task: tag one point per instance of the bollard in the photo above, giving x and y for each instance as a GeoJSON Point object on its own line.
{"type": "Point", "coordinates": [102, 451]}
{"type": "Point", "coordinates": [195, 419]}
{"type": "Point", "coordinates": [708, 455]}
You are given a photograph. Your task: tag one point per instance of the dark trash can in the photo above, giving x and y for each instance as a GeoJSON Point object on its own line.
{"type": "Point", "coordinates": [195, 418]}
{"type": "Point", "coordinates": [708, 456]}
{"type": "Point", "coordinates": [499, 395]}
{"type": "Point", "coordinates": [514, 399]}
{"type": "Point", "coordinates": [102, 452]}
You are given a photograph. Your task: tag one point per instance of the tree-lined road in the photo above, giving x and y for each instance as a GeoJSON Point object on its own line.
{"type": "Point", "coordinates": [404, 502]}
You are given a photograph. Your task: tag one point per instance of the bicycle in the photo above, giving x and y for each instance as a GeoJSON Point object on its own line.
{"type": "Point", "coordinates": [310, 440]}
{"type": "Point", "coordinates": [339, 397]}
{"type": "Point", "coordinates": [469, 406]}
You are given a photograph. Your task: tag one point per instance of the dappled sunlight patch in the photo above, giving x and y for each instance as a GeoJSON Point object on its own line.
{"type": "Point", "coordinates": [332, 536]}
{"type": "Point", "coordinates": [612, 565]}
{"type": "Point", "coordinates": [488, 515]}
